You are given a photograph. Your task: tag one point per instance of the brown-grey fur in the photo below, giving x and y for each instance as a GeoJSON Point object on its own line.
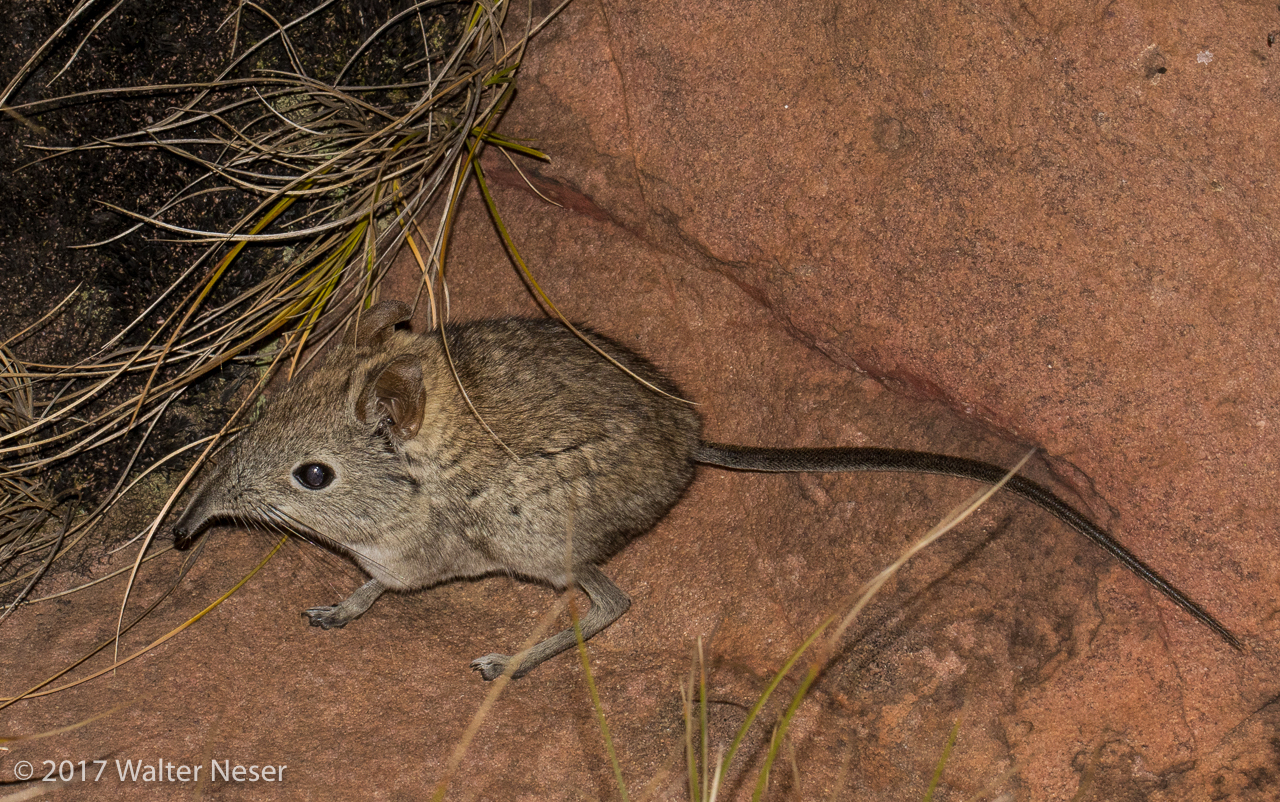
{"type": "Point", "coordinates": [412, 486]}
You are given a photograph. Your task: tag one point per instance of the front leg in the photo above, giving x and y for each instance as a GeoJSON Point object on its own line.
{"type": "Point", "coordinates": [608, 603]}
{"type": "Point", "coordinates": [348, 610]}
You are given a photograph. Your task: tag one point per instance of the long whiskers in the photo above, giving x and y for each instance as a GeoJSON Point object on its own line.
{"type": "Point", "coordinates": [280, 522]}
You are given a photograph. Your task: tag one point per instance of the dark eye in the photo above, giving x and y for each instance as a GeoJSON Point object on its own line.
{"type": "Point", "coordinates": [313, 475]}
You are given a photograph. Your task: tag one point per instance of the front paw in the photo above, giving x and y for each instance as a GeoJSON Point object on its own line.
{"type": "Point", "coordinates": [326, 617]}
{"type": "Point", "coordinates": [491, 666]}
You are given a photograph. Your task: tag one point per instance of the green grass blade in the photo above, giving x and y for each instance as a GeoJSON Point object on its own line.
{"type": "Point", "coordinates": [809, 678]}
{"type": "Point", "coordinates": [768, 692]}
{"type": "Point", "coordinates": [599, 709]}
{"type": "Point", "coordinates": [942, 762]}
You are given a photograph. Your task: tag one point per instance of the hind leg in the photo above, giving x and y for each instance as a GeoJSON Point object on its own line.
{"type": "Point", "coordinates": [608, 603]}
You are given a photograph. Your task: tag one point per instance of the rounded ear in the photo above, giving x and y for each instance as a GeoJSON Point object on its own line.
{"type": "Point", "coordinates": [395, 394]}
{"type": "Point", "coordinates": [376, 321]}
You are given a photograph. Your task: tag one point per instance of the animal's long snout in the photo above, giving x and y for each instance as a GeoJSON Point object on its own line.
{"type": "Point", "coordinates": [186, 530]}
{"type": "Point", "coordinates": [195, 518]}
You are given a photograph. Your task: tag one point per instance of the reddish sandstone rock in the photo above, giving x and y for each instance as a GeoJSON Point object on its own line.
{"type": "Point", "coordinates": [1041, 224]}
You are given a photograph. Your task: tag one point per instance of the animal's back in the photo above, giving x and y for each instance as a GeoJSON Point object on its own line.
{"type": "Point", "coordinates": [596, 454]}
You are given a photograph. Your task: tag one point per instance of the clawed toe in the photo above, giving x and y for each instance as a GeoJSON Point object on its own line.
{"type": "Point", "coordinates": [491, 666]}
{"type": "Point", "coordinates": [325, 617]}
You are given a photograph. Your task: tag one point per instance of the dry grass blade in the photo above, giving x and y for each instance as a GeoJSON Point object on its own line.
{"type": "Point", "coordinates": [8, 739]}
{"type": "Point", "coordinates": [25, 504]}
{"type": "Point", "coordinates": [546, 299]}
{"type": "Point", "coordinates": [952, 519]}
{"type": "Point", "coordinates": [35, 691]}
{"type": "Point", "coordinates": [491, 698]}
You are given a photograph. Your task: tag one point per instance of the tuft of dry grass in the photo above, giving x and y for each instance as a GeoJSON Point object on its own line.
{"type": "Point", "coordinates": [335, 157]}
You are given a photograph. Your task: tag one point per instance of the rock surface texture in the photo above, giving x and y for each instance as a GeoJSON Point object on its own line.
{"type": "Point", "coordinates": [1035, 223]}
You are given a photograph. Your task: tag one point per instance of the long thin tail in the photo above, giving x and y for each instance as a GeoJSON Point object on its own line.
{"type": "Point", "coordinates": [838, 460]}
